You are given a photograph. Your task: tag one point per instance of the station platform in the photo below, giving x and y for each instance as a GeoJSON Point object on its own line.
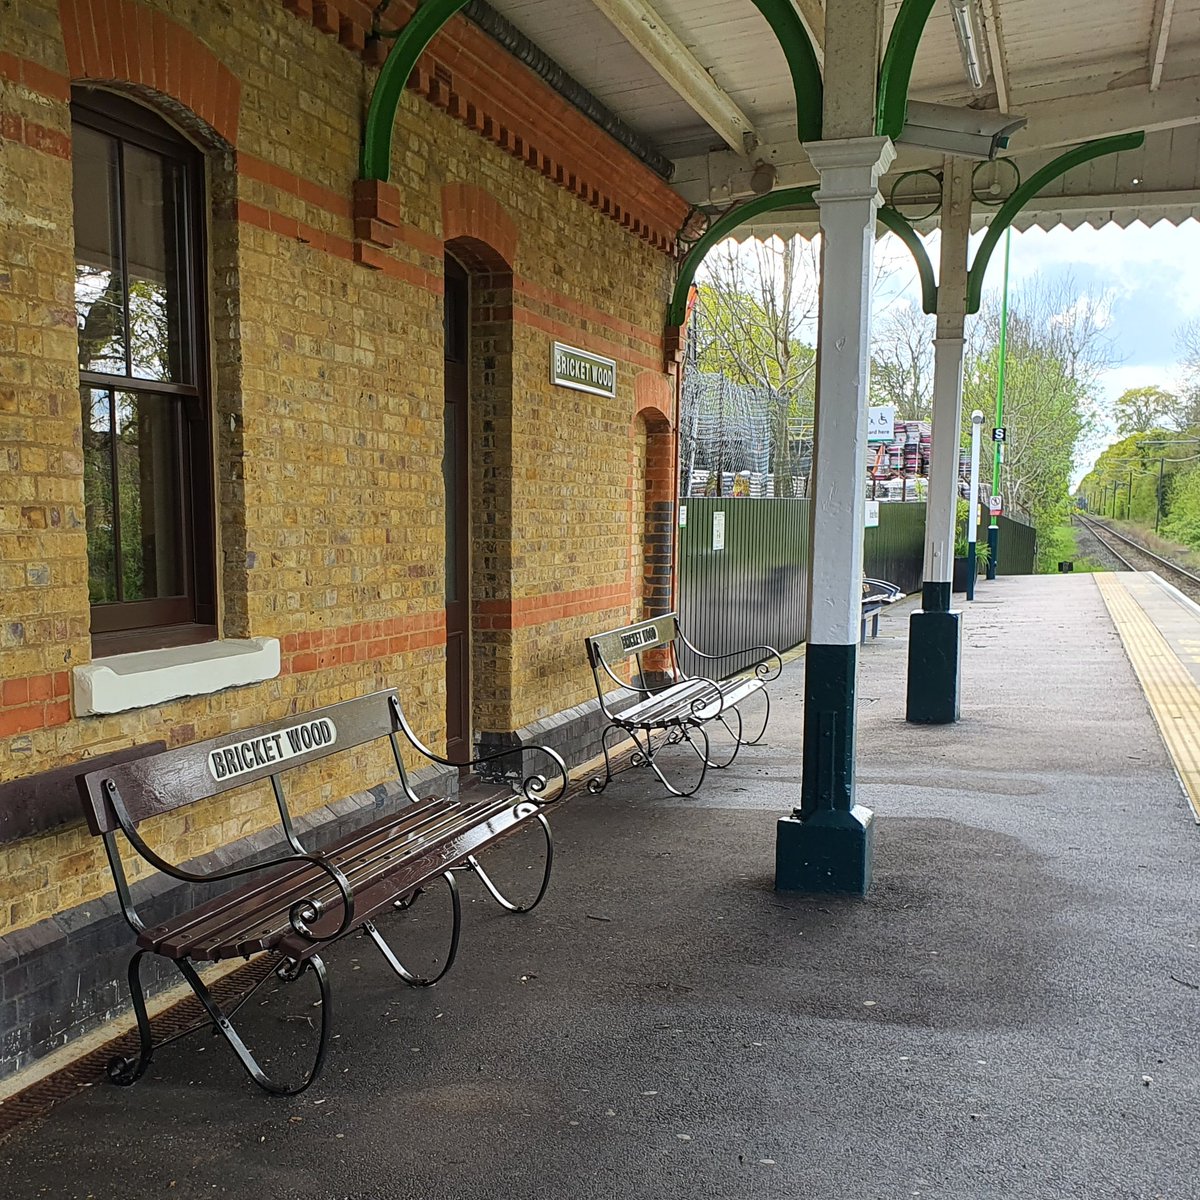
{"type": "Point", "coordinates": [1013, 1011]}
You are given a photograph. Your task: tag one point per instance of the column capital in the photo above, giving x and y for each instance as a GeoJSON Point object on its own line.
{"type": "Point", "coordinates": [850, 167]}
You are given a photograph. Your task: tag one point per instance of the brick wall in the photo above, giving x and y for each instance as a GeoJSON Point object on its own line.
{"type": "Point", "coordinates": [328, 366]}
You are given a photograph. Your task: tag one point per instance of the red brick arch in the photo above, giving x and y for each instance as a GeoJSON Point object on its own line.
{"type": "Point", "coordinates": [479, 228]}
{"type": "Point", "coordinates": [121, 41]}
{"type": "Point", "coordinates": [654, 404]}
{"type": "Point", "coordinates": [654, 398]}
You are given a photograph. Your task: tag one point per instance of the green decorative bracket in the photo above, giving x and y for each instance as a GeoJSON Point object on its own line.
{"type": "Point", "coordinates": [898, 223]}
{"type": "Point", "coordinates": [393, 77]}
{"type": "Point", "coordinates": [1053, 170]}
{"type": "Point", "coordinates": [785, 22]}
{"type": "Point", "coordinates": [433, 14]}
{"type": "Point", "coordinates": [895, 72]}
{"type": "Point", "coordinates": [801, 197]}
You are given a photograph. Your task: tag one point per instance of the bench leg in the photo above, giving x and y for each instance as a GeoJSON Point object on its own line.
{"type": "Point", "coordinates": [734, 734]}
{"type": "Point", "coordinates": [126, 1071]}
{"type": "Point", "coordinates": [758, 737]}
{"type": "Point", "coordinates": [498, 896]}
{"type": "Point", "coordinates": [393, 960]}
{"type": "Point", "coordinates": [289, 972]}
{"type": "Point", "coordinates": [596, 785]}
{"type": "Point", "coordinates": [680, 733]}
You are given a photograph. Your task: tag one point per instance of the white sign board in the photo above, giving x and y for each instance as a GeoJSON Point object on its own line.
{"type": "Point", "coordinates": [872, 521]}
{"type": "Point", "coordinates": [585, 372]}
{"type": "Point", "coordinates": [881, 423]}
{"type": "Point", "coordinates": [995, 505]}
{"type": "Point", "coordinates": [718, 542]}
{"type": "Point", "coordinates": [683, 516]}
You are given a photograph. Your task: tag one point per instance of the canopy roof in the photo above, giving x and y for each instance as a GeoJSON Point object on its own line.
{"type": "Point", "coordinates": [694, 77]}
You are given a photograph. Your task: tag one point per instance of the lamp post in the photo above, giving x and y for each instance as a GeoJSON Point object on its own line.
{"type": "Point", "coordinates": [973, 503]}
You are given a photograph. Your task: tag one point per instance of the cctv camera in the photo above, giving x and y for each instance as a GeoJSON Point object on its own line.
{"type": "Point", "coordinates": [963, 132]}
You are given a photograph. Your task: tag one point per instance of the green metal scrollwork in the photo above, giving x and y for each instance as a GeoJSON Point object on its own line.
{"type": "Point", "coordinates": [895, 72]}
{"type": "Point", "coordinates": [802, 62]}
{"type": "Point", "coordinates": [433, 14]}
{"type": "Point", "coordinates": [1053, 170]}
{"type": "Point", "coordinates": [899, 224]}
{"type": "Point", "coordinates": [393, 76]}
{"type": "Point", "coordinates": [800, 197]}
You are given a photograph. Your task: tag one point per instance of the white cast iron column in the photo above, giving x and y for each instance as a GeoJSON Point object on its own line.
{"type": "Point", "coordinates": [825, 844]}
{"type": "Point", "coordinates": [935, 633]}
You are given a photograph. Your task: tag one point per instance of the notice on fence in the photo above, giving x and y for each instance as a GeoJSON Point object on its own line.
{"type": "Point", "coordinates": [683, 516]}
{"type": "Point", "coordinates": [718, 542]}
{"type": "Point", "coordinates": [872, 517]}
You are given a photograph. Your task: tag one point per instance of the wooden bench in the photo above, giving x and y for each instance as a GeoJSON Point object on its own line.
{"type": "Point", "coordinates": [294, 905]}
{"type": "Point", "coordinates": [877, 594]}
{"type": "Point", "coordinates": [682, 705]}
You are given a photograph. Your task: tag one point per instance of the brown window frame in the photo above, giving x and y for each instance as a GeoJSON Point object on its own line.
{"type": "Point", "coordinates": [123, 626]}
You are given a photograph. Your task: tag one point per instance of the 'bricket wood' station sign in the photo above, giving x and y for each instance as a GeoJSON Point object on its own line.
{"type": "Point", "coordinates": [573, 368]}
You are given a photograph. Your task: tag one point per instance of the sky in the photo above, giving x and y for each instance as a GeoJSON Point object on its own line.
{"type": "Point", "coordinates": [1150, 279]}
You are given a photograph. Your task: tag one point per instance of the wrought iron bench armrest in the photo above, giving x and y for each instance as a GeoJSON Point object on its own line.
{"type": "Point", "coordinates": [533, 788]}
{"type": "Point", "coordinates": [302, 915]}
{"type": "Point", "coordinates": [765, 669]}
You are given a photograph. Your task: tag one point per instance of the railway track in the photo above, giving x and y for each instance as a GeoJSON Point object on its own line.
{"type": "Point", "coordinates": [1138, 558]}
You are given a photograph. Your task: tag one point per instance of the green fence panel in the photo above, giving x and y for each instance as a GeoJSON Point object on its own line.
{"type": "Point", "coordinates": [1018, 548]}
{"type": "Point", "coordinates": [750, 585]}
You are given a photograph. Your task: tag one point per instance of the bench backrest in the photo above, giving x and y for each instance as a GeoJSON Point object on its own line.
{"type": "Point", "coordinates": [174, 779]}
{"type": "Point", "coordinates": [630, 640]}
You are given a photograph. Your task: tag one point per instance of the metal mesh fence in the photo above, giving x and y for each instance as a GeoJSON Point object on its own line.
{"type": "Point", "coordinates": [738, 440]}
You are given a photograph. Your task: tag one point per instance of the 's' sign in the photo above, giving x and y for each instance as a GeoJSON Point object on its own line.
{"type": "Point", "coordinates": [572, 368]}
{"type": "Point", "coordinates": [243, 757]}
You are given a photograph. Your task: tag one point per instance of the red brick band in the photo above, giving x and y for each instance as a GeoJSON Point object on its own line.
{"type": "Point", "coordinates": [38, 702]}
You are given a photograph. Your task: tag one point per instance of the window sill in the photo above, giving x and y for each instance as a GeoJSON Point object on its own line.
{"type": "Point", "coordinates": [149, 677]}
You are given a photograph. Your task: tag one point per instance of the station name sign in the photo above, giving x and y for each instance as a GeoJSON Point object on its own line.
{"type": "Point", "coordinates": [573, 368]}
{"type": "Point", "coordinates": [243, 757]}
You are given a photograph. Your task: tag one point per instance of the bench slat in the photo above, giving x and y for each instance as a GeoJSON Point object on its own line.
{"type": "Point", "coordinates": [176, 778]}
{"type": "Point", "coordinates": [383, 860]}
{"type": "Point", "coordinates": [273, 888]}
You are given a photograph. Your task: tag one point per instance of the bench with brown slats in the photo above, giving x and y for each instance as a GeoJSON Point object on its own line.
{"type": "Point", "coordinates": [294, 905]}
{"type": "Point", "coordinates": [671, 701]}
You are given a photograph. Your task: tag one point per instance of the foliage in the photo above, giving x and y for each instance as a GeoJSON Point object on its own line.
{"type": "Point", "coordinates": [1056, 350]}
{"type": "Point", "coordinates": [1139, 410]}
{"type": "Point", "coordinates": [1183, 517]}
{"type": "Point", "coordinates": [902, 361]}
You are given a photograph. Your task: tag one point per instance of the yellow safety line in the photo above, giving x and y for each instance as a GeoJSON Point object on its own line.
{"type": "Point", "coordinates": [1173, 694]}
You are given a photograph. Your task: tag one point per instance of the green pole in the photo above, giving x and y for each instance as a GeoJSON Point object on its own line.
{"type": "Point", "coordinates": [994, 527]}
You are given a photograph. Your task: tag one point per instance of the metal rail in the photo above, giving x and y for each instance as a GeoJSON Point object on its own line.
{"type": "Point", "coordinates": [1096, 527]}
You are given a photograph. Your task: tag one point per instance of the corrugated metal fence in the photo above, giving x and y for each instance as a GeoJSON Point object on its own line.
{"type": "Point", "coordinates": [749, 585]}
{"type": "Point", "coordinates": [1018, 548]}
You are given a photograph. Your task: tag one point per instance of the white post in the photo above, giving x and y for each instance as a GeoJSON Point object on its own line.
{"type": "Point", "coordinates": [825, 844]}
{"type": "Point", "coordinates": [973, 501]}
{"type": "Point", "coordinates": [934, 634]}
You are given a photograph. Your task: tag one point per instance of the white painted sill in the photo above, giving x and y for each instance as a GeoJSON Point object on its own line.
{"type": "Point", "coordinates": [149, 677]}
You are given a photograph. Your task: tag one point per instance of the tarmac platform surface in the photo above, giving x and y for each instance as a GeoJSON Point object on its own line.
{"type": "Point", "coordinates": [1013, 1012]}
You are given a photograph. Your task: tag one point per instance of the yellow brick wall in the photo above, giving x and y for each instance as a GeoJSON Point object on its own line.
{"type": "Point", "coordinates": [328, 423]}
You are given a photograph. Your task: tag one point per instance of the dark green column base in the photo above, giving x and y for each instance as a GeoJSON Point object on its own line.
{"type": "Point", "coordinates": [934, 667]}
{"type": "Point", "coordinates": [829, 851]}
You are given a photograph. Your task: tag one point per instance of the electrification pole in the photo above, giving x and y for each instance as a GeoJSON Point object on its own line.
{"type": "Point", "coordinates": [994, 527]}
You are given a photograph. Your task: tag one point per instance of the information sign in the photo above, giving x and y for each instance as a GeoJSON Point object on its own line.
{"type": "Point", "coordinates": [881, 423]}
{"type": "Point", "coordinates": [718, 542]}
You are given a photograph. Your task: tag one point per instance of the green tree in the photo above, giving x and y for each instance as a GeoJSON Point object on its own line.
{"type": "Point", "coordinates": [1056, 349]}
{"type": "Point", "coordinates": [1138, 410]}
